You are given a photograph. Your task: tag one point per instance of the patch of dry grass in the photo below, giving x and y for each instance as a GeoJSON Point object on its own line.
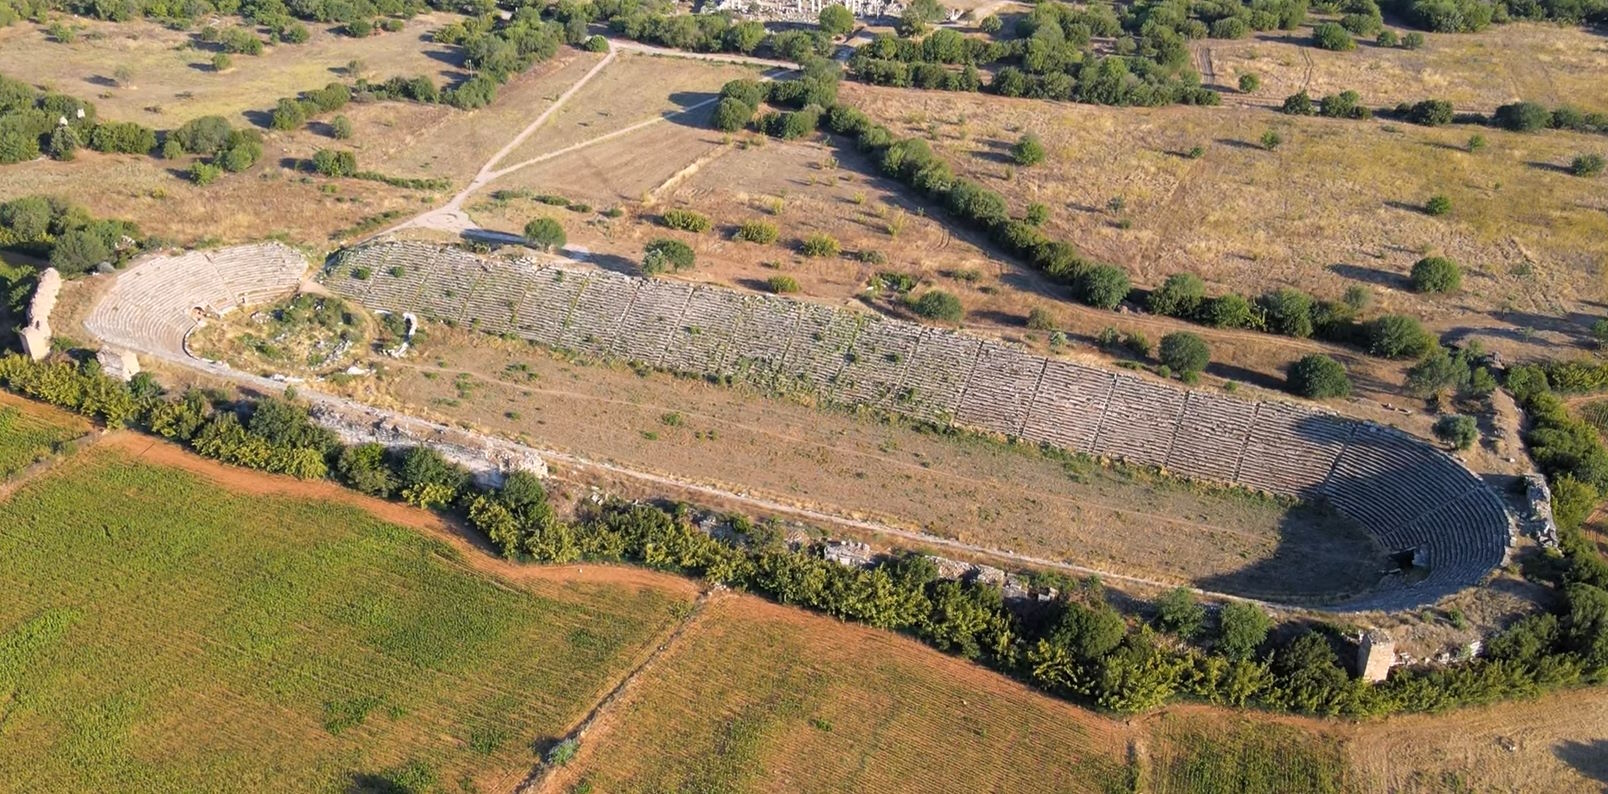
{"type": "Point", "coordinates": [172, 77]}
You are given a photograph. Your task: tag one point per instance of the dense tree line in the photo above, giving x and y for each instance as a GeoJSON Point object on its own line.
{"type": "Point", "coordinates": [34, 123]}
{"type": "Point", "coordinates": [1076, 645]}
{"type": "Point", "coordinates": [66, 234]}
{"type": "Point", "coordinates": [657, 23]}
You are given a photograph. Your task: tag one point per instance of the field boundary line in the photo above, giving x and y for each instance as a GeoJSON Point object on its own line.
{"type": "Point", "coordinates": [543, 771]}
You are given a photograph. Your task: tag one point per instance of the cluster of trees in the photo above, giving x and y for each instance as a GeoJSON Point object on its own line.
{"type": "Point", "coordinates": [291, 113]}
{"type": "Point", "coordinates": [1532, 116]}
{"type": "Point", "coordinates": [73, 240]}
{"type": "Point", "coordinates": [1344, 105]}
{"type": "Point", "coordinates": [1076, 646]}
{"type": "Point", "coordinates": [34, 123]}
{"type": "Point", "coordinates": [222, 147]}
{"type": "Point", "coordinates": [280, 17]}
{"type": "Point", "coordinates": [1053, 58]}
{"type": "Point", "coordinates": [335, 162]}
{"type": "Point", "coordinates": [654, 23]}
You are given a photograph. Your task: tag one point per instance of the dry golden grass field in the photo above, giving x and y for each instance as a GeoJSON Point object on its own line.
{"type": "Point", "coordinates": [1336, 204]}
{"type": "Point", "coordinates": [1550, 64]}
{"type": "Point", "coordinates": [172, 78]}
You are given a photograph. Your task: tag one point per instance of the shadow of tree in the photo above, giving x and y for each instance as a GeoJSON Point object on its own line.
{"type": "Point", "coordinates": [1589, 758]}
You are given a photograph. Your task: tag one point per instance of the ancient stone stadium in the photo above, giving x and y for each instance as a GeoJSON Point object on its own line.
{"type": "Point", "coordinates": [1418, 502]}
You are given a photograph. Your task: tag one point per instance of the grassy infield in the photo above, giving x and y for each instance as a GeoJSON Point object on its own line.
{"type": "Point", "coordinates": [158, 634]}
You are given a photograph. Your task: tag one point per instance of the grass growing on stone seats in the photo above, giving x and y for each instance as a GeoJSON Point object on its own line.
{"type": "Point", "coordinates": [161, 633]}
{"type": "Point", "coordinates": [30, 432]}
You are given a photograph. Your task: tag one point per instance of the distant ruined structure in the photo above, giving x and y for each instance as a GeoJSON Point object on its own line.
{"type": "Point", "coordinates": [36, 333]}
{"type": "Point", "coordinates": [1376, 654]}
{"type": "Point", "coordinates": [120, 364]}
{"type": "Point", "coordinates": [488, 459]}
{"type": "Point", "coordinates": [1539, 497]}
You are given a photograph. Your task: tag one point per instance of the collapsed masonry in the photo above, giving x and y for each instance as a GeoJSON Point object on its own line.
{"type": "Point", "coordinates": [36, 333]}
{"type": "Point", "coordinates": [1539, 497]}
{"type": "Point", "coordinates": [1376, 654]}
{"type": "Point", "coordinates": [488, 459]}
{"type": "Point", "coordinates": [118, 364]}
{"type": "Point", "coordinates": [854, 554]}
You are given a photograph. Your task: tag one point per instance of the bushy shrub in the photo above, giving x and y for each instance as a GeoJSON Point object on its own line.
{"type": "Point", "coordinates": [1179, 613]}
{"type": "Point", "coordinates": [1181, 295]}
{"type": "Point", "coordinates": [1457, 431]}
{"type": "Point", "coordinates": [206, 135]}
{"type": "Point", "coordinates": [819, 245]}
{"type": "Point", "coordinates": [836, 20]}
{"type": "Point", "coordinates": [1522, 117]}
{"type": "Point", "coordinates": [1431, 113]}
{"type": "Point", "coordinates": [1331, 36]}
{"type": "Point", "coordinates": [1249, 83]}
{"type": "Point", "coordinates": [1587, 165]}
{"type": "Point", "coordinates": [757, 231]}
{"type": "Point", "coordinates": [1318, 377]}
{"type": "Point", "coordinates": [782, 285]}
{"type": "Point", "coordinates": [1438, 205]}
{"type": "Point", "coordinates": [686, 220]}
{"type": "Point", "coordinates": [1288, 312]}
{"type": "Point", "coordinates": [1028, 150]}
{"type": "Point", "coordinates": [335, 163]}
{"type": "Point", "coordinates": [938, 305]}
{"type": "Point", "coordinates": [545, 234]}
{"type": "Point", "coordinates": [340, 128]}
{"type": "Point", "coordinates": [1103, 286]}
{"type": "Point", "coordinates": [203, 173]}
{"type": "Point", "coordinates": [731, 115]}
{"type": "Point", "coordinates": [1436, 274]}
{"type": "Point", "coordinates": [665, 254]}
{"type": "Point", "coordinates": [1398, 336]}
{"type": "Point", "coordinates": [1184, 353]}
{"type": "Point", "coordinates": [1242, 628]}
{"type": "Point", "coordinates": [122, 137]}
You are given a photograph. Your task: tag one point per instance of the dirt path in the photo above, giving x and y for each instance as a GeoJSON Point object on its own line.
{"type": "Point", "coordinates": [475, 551]}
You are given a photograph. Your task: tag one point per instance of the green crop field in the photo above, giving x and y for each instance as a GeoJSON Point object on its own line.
{"type": "Point", "coordinates": [159, 632]}
{"type": "Point", "coordinates": [1229, 754]}
{"type": "Point", "coordinates": [28, 434]}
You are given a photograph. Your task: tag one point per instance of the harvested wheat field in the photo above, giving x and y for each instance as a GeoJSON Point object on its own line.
{"type": "Point", "coordinates": [171, 79]}
{"type": "Point", "coordinates": [977, 491]}
{"type": "Point", "coordinates": [758, 697]}
{"type": "Point", "coordinates": [1550, 64]}
{"type": "Point", "coordinates": [162, 635]}
{"type": "Point", "coordinates": [1337, 204]}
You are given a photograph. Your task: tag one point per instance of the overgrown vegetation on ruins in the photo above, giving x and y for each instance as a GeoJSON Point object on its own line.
{"type": "Point", "coordinates": [1077, 646]}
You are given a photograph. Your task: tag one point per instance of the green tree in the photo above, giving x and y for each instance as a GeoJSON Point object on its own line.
{"type": "Point", "coordinates": [938, 305]}
{"type": "Point", "coordinates": [1184, 353]}
{"type": "Point", "coordinates": [545, 234]}
{"type": "Point", "coordinates": [335, 163]}
{"type": "Point", "coordinates": [1522, 117]}
{"type": "Point", "coordinates": [1028, 150]}
{"type": "Point", "coordinates": [1249, 83]}
{"type": "Point", "coordinates": [1289, 312]}
{"type": "Point", "coordinates": [1331, 36]}
{"type": "Point", "coordinates": [1181, 295]}
{"type": "Point", "coordinates": [665, 254]}
{"type": "Point", "coordinates": [206, 135]}
{"type": "Point", "coordinates": [1242, 627]}
{"type": "Point", "coordinates": [1318, 377]}
{"type": "Point", "coordinates": [836, 20]}
{"type": "Point", "coordinates": [1457, 431]}
{"type": "Point", "coordinates": [1436, 274]}
{"type": "Point", "coordinates": [731, 115]}
{"type": "Point", "coordinates": [1229, 311]}
{"type": "Point", "coordinates": [221, 62]}
{"type": "Point", "coordinates": [1179, 613]}
{"type": "Point", "coordinates": [1398, 336]}
{"type": "Point", "coordinates": [1103, 286]}
{"type": "Point", "coordinates": [363, 467]}
{"type": "Point", "coordinates": [78, 251]}
{"type": "Point", "coordinates": [341, 128]}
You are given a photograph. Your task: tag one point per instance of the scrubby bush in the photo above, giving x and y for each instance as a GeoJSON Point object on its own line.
{"type": "Point", "coordinates": [1431, 113]}
{"type": "Point", "coordinates": [1586, 165]}
{"type": "Point", "coordinates": [757, 231]}
{"type": "Point", "coordinates": [1103, 286]}
{"type": "Point", "coordinates": [1028, 150]}
{"type": "Point", "coordinates": [1299, 104]}
{"type": "Point", "coordinates": [665, 254]}
{"type": "Point", "coordinates": [203, 173]}
{"type": "Point", "coordinates": [1522, 117]}
{"type": "Point", "coordinates": [1181, 295]}
{"type": "Point", "coordinates": [1184, 353]}
{"type": "Point", "coordinates": [335, 163]}
{"type": "Point", "coordinates": [288, 115]}
{"type": "Point", "coordinates": [1230, 311]}
{"type": "Point", "coordinates": [1249, 83]}
{"type": "Point", "coordinates": [122, 137]}
{"type": "Point", "coordinates": [1288, 311]}
{"type": "Point", "coordinates": [340, 128]}
{"type": "Point", "coordinates": [1397, 336]}
{"type": "Point", "coordinates": [1271, 140]}
{"type": "Point", "coordinates": [1457, 431]}
{"type": "Point", "coordinates": [1331, 36]}
{"type": "Point", "coordinates": [1436, 274]}
{"type": "Point", "coordinates": [1438, 205]}
{"type": "Point", "coordinates": [206, 135]}
{"type": "Point", "coordinates": [1318, 377]}
{"type": "Point", "coordinates": [545, 234]}
{"type": "Point", "coordinates": [731, 115]}
{"type": "Point", "coordinates": [1179, 613]}
{"type": "Point", "coordinates": [782, 285]}
{"type": "Point", "coordinates": [1242, 628]}
{"type": "Point", "coordinates": [938, 305]}
{"type": "Point", "coordinates": [836, 20]}
{"type": "Point", "coordinates": [819, 245]}
{"type": "Point", "coordinates": [686, 220]}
